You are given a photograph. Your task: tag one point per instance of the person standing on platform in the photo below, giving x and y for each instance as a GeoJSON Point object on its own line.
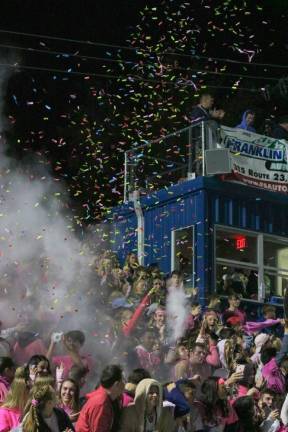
{"type": "Point", "coordinates": [247, 121]}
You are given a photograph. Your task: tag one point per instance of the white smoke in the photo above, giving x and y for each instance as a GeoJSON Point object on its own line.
{"type": "Point", "coordinates": [38, 250]}
{"type": "Point", "coordinates": [43, 265]}
{"type": "Point", "coordinates": [47, 273]}
{"type": "Point", "coordinates": [177, 312]}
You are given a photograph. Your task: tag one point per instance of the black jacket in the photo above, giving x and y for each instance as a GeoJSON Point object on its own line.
{"type": "Point", "coordinates": [280, 133]}
{"type": "Point", "coordinates": [62, 419]}
{"type": "Point", "coordinates": [199, 114]}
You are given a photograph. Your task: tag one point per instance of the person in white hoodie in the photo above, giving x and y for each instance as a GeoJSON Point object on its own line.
{"type": "Point", "coordinates": [260, 340]}
{"type": "Point", "coordinates": [146, 413]}
{"type": "Point", "coordinates": [284, 412]}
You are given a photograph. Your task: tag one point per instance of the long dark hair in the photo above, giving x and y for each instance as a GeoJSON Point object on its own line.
{"type": "Point", "coordinates": [34, 361]}
{"type": "Point", "coordinates": [244, 407]}
{"type": "Point", "coordinates": [211, 399]}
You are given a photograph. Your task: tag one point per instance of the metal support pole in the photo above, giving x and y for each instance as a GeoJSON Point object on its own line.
{"type": "Point", "coordinates": [203, 147]}
{"type": "Point", "coordinates": [125, 177]}
{"type": "Point", "coordinates": [140, 226]}
{"type": "Point", "coordinates": [190, 154]}
{"type": "Point", "coordinates": [260, 259]}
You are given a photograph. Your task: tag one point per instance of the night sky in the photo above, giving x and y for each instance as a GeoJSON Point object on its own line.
{"type": "Point", "coordinates": [79, 125]}
{"type": "Point", "coordinates": [98, 20]}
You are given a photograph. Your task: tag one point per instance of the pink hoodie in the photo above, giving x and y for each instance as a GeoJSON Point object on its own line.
{"type": "Point", "coordinates": [253, 327]}
{"type": "Point", "coordinates": [148, 360]}
{"type": "Point", "coordinates": [273, 376]}
{"type": "Point", "coordinates": [9, 418]}
{"type": "Point", "coordinates": [213, 356]}
{"type": "Point", "coordinates": [127, 399]}
{"type": "Point", "coordinates": [4, 388]}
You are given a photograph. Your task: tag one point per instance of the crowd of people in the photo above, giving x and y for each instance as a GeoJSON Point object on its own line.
{"type": "Point", "coordinates": [128, 371]}
{"type": "Point", "coordinates": [206, 111]}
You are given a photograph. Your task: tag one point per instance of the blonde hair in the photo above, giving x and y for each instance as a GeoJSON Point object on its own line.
{"type": "Point", "coordinates": [19, 391]}
{"type": "Point", "coordinates": [39, 397]}
{"type": "Point", "coordinates": [42, 381]}
{"type": "Point", "coordinates": [276, 343]}
{"type": "Point", "coordinates": [229, 353]}
{"type": "Point", "coordinates": [136, 284]}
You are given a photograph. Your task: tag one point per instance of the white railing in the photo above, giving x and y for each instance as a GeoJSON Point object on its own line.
{"type": "Point", "coordinates": [168, 160]}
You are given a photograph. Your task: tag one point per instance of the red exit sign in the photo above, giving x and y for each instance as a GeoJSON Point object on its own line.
{"type": "Point", "coordinates": [241, 243]}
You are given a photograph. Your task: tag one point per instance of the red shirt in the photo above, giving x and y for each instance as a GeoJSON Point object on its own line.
{"type": "Point", "coordinates": [97, 413]}
{"type": "Point", "coordinates": [131, 324]}
{"type": "Point", "coordinates": [237, 313]}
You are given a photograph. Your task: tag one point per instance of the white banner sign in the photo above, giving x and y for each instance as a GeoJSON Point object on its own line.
{"type": "Point", "coordinates": [257, 160]}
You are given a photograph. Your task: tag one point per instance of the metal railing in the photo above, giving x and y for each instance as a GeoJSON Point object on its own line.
{"type": "Point", "coordinates": [168, 160]}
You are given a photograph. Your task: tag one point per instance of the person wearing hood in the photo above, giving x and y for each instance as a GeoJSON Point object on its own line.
{"type": "Point", "coordinates": [275, 368]}
{"type": "Point", "coordinates": [260, 340]}
{"type": "Point", "coordinates": [146, 413]}
{"type": "Point", "coordinates": [226, 348]}
{"type": "Point", "coordinates": [247, 121]}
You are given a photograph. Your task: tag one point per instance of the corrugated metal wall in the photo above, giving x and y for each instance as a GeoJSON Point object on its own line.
{"type": "Point", "coordinates": [161, 220]}
{"type": "Point", "coordinates": [123, 232]}
{"type": "Point", "coordinates": [249, 213]}
{"type": "Point", "coordinates": [203, 203]}
{"type": "Point", "coordinates": [179, 212]}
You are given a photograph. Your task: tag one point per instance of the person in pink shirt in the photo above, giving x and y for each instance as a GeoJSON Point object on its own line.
{"type": "Point", "coordinates": [12, 409]}
{"type": "Point", "coordinates": [193, 320]}
{"type": "Point", "coordinates": [72, 341]}
{"type": "Point", "coordinates": [134, 378]}
{"type": "Point", "coordinates": [275, 367]}
{"type": "Point", "coordinates": [147, 358]}
{"type": "Point", "coordinates": [208, 337]}
{"type": "Point", "coordinates": [26, 346]}
{"type": "Point", "coordinates": [7, 373]}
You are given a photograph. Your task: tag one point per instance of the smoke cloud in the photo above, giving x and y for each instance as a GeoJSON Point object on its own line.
{"type": "Point", "coordinates": [177, 312]}
{"type": "Point", "coordinates": [45, 269]}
